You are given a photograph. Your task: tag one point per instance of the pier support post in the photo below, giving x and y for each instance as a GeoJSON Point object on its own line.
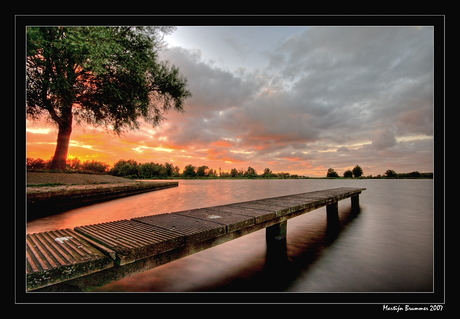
{"type": "Point", "coordinates": [332, 211]}
{"type": "Point", "coordinates": [355, 203]}
{"type": "Point", "coordinates": [276, 232]}
{"type": "Point", "coordinates": [333, 222]}
{"type": "Point", "coordinates": [276, 260]}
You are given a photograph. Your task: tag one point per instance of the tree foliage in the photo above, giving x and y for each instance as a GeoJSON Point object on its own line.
{"type": "Point", "coordinates": [357, 171]}
{"type": "Point", "coordinates": [250, 172]}
{"type": "Point", "coordinates": [391, 173]}
{"type": "Point", "coordinates": [189, 171]}
{"type": "Point", "coordinates": [106, 76]}
{"type": "Point", "coordinates": [202, 171]}
{"type": "Point", "coordinates": [132, 169]}
{"type": "Point", "coordinates": [331, 173]}
{"type": "Point", "coordinates": [72, 165]}
{"type": "Point", "coordinates": [347, 174]}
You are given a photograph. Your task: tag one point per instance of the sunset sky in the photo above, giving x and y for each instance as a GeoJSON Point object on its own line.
{"type": "Point", "coordinates": [293, 99]}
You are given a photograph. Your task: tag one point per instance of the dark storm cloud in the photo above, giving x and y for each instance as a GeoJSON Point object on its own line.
{"type": "Point", "coordinates": [384, 139]}
{"type": "Point", "coordinates": [343, 149]}
{"type": "Point", "coordinates": [324, 88]}
{"type": "Point", "coordinates": [347, 76]}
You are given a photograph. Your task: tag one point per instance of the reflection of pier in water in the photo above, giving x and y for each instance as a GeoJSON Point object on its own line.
{"type": "Point", "coordinates": [94, 255]}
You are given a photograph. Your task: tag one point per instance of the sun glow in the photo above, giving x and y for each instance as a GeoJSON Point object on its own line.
{"type": "Point", "coordinates": [38, 130]}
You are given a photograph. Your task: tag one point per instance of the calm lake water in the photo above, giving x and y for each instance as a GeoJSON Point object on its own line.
{"type": "Point", "coordinates": [387, 247]}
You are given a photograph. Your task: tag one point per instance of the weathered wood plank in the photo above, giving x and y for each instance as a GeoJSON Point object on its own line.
{"type": "Point", "coordinates": [232, 222]}
{"type": "Point", "coordinates": [263, 205]}
{"type": "Point", "coordinates": [60, 255]}
{"type": "Point", "coordinates": [259, 215]}
{"type": "Point", "coordinates": [193, 229]}
{"type": "Point", "coordinates": [85, 256]}
{"type": "Point", "coordinates": [132, 240]}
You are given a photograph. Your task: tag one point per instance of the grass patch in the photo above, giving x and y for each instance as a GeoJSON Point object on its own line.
{"type": "Point", "coordinates": [63, 184]}
{"type": "Point", "coordinates": [46, 185]}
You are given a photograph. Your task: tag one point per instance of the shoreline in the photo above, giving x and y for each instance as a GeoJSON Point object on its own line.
{"type": "Point", "coordinates": [50, 200]}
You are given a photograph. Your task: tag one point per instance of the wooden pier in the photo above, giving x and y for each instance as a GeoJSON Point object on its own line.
{"type": "Point", "coordinates": [89, 256]}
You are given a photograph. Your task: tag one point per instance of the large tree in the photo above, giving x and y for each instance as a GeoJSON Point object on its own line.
{"type": "Point", "coordinates": [108, 76]}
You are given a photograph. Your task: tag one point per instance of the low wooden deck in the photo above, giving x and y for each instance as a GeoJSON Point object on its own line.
{"type": "Point", "coordinates": [89, 256]}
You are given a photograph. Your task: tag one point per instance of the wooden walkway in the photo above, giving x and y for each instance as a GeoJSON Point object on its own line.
{"type": "Point", "coordinates": [89, 256]}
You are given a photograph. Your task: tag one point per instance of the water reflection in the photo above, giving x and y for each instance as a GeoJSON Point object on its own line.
{"type": "Point", "coordinates": [246, 264]}
{"type": "Point", "coordinates": [387, 246]}
{"type": "Point", "coordinates": [285, 266]}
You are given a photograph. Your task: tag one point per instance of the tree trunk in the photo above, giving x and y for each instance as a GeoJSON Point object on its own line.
{"type": "Point", "coordinates": [62, 146]}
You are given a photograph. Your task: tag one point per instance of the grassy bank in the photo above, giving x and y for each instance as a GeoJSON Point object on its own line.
{"type": "Point", "coordinates": [52, 193]}
{"type": "Point", "coordinates": [57, 179]}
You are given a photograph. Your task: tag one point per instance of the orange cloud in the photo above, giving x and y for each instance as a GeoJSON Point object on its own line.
{"type": "Point", "coordinates": [222, 143]}
{"type": "Point", "coordinates": [216, 153]}
{"type": "Point", "coordinates": [92, 138]}
{"type": "Point", "coordinates": [293, 159]}
{"type": "Point", "coordinates": [222, 155]}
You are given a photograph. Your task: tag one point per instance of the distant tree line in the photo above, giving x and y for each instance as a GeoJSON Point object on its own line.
{"type": "Point", "coordinates": [415, 174]}
{"type": "Point", "coordinates": [357, 172]}
{"type": "Point", "coordinates": [72, 165]}
{"type": "Point", "coordinates": [132, 169]}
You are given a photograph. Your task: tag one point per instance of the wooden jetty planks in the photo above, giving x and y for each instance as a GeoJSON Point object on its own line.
{"type": "Point", "coordinates": [232, 222]}
{"type": "Point", "coordinates": [262, 205]}
{"type": "Point", "coordinates": [259, 215]}
{"type": "Point", "coordinates": [132, 240]}
{"type": "Point", "coordinates": [64, 255]}
{"type": "Point", "coordinates": [193, 229]}
{"type": "Point", "coordinates": [59, 255]}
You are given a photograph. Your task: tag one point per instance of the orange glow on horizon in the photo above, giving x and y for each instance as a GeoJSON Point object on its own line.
{"type": "Point", "coordinates": [41, 145]}
{"type": "Point", "coordinates": [89, 143]}
{"type": "Point", "coordinates": [104, 147]}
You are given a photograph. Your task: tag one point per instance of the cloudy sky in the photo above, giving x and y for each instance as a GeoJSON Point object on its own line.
{"type": "Point", "coordinates": [292, 99]}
